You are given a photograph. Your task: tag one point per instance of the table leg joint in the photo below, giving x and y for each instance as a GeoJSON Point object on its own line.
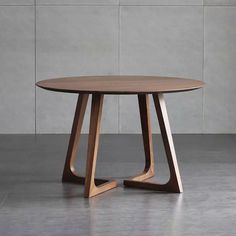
{"type": "Point", "coordinates": [91, 189]}
{"type": "Point", "coordinates": [174, 184]}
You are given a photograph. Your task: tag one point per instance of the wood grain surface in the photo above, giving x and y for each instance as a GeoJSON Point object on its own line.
{"type": "Point", "coordinates": [120, 84]}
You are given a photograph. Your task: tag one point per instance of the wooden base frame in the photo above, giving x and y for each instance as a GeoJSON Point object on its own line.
{"type": "Point", "coordinates": [92, 186]}
{"type": "Point", "coordinates": [174, 184]}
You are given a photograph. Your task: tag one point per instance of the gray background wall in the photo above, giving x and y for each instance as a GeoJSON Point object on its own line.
{"type": "Point", "coordinates": [50, 38]}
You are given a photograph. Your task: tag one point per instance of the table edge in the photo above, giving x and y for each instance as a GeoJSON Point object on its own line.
{"type": "Point", "coordinates": [119, 92]}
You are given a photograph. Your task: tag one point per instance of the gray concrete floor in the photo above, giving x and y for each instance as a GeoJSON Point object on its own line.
{"type": "Point", "coordinates": [33, 201]}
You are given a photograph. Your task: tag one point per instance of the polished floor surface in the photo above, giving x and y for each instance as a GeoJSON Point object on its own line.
{"type": "Point", "coordinates": [33, 201]}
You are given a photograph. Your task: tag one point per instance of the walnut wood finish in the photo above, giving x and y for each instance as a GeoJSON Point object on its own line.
{"type": "Point", "coordinates": [69, 173]}
{"type": "Point", "coordinates": [144, 108]}
{"type": "Point", "coordinates": [95, 119]}
{"type": "Point", "coordinates": [140, 85]}
{"type": "Point", "coordinates": [123, 84]}
{"type": "Point", "coordinates": [174, 184]}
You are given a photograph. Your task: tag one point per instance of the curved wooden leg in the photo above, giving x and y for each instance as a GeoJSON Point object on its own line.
{"type": "Point", "coordinates": [69, 173]}
{"type": "Point", "coordinates": [148, 171]}
{"type": "Point", "coordinates": [174, 184]}
{"type": "Point", "coordinates": [91, 189]}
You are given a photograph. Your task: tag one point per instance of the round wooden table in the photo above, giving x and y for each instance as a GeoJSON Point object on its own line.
{"type": "Point", "coordinates": [140, 85]}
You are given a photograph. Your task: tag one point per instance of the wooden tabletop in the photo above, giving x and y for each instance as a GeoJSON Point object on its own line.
{"type": "Point", "coordinates": [120, 84]}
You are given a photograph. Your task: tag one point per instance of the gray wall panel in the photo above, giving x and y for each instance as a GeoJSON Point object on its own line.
{"type": "Point", "coordinates": [87, 37]}
{"type": "Point", "coordinates": [220, 70]}
{"type": "Point", "coordinates": [77, 2]}
{"type": "Point", "coordinates": [163, 41]}
{"type": "Point", "coordinates": [219, 2]}
{"type": "Point", "coordinates": [17, 2]}
{"type": "Point", "coordinates": [162, 2]}
{"type": "Point", "coordinates": [17, 91]}
{"type": "Point", "coordinates": [74, 40]}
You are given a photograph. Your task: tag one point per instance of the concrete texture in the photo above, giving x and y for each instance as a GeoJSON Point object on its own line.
{"type": "Point", "coordinates": [219, 2]}
{"type": "Point", "coordinates": [62, 35]}
{"type": "Point", "coordinates": [33, 201]}
{"type": "Point", "coordinates": [77, 2]}
{"type": "Point", "coordinates": [17, 100]}
{"type": "Point", "coordinates": [220, 58]}
{"type": "Point", "coordinates": [171, 48]}
{"type": "Point", "coordinates": [16, 2]}
{"type": "Point", "coordinates": [162, 2]}
{"type": "Point", "coordinates": [41, 39]}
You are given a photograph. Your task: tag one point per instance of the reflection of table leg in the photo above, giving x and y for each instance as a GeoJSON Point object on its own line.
{"type": "Point", "coordinates": [69, 173]}
{"type": "Point", "coordinates": [91, 189]}
{"type": "Point", "coordinates": [174, 184]}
